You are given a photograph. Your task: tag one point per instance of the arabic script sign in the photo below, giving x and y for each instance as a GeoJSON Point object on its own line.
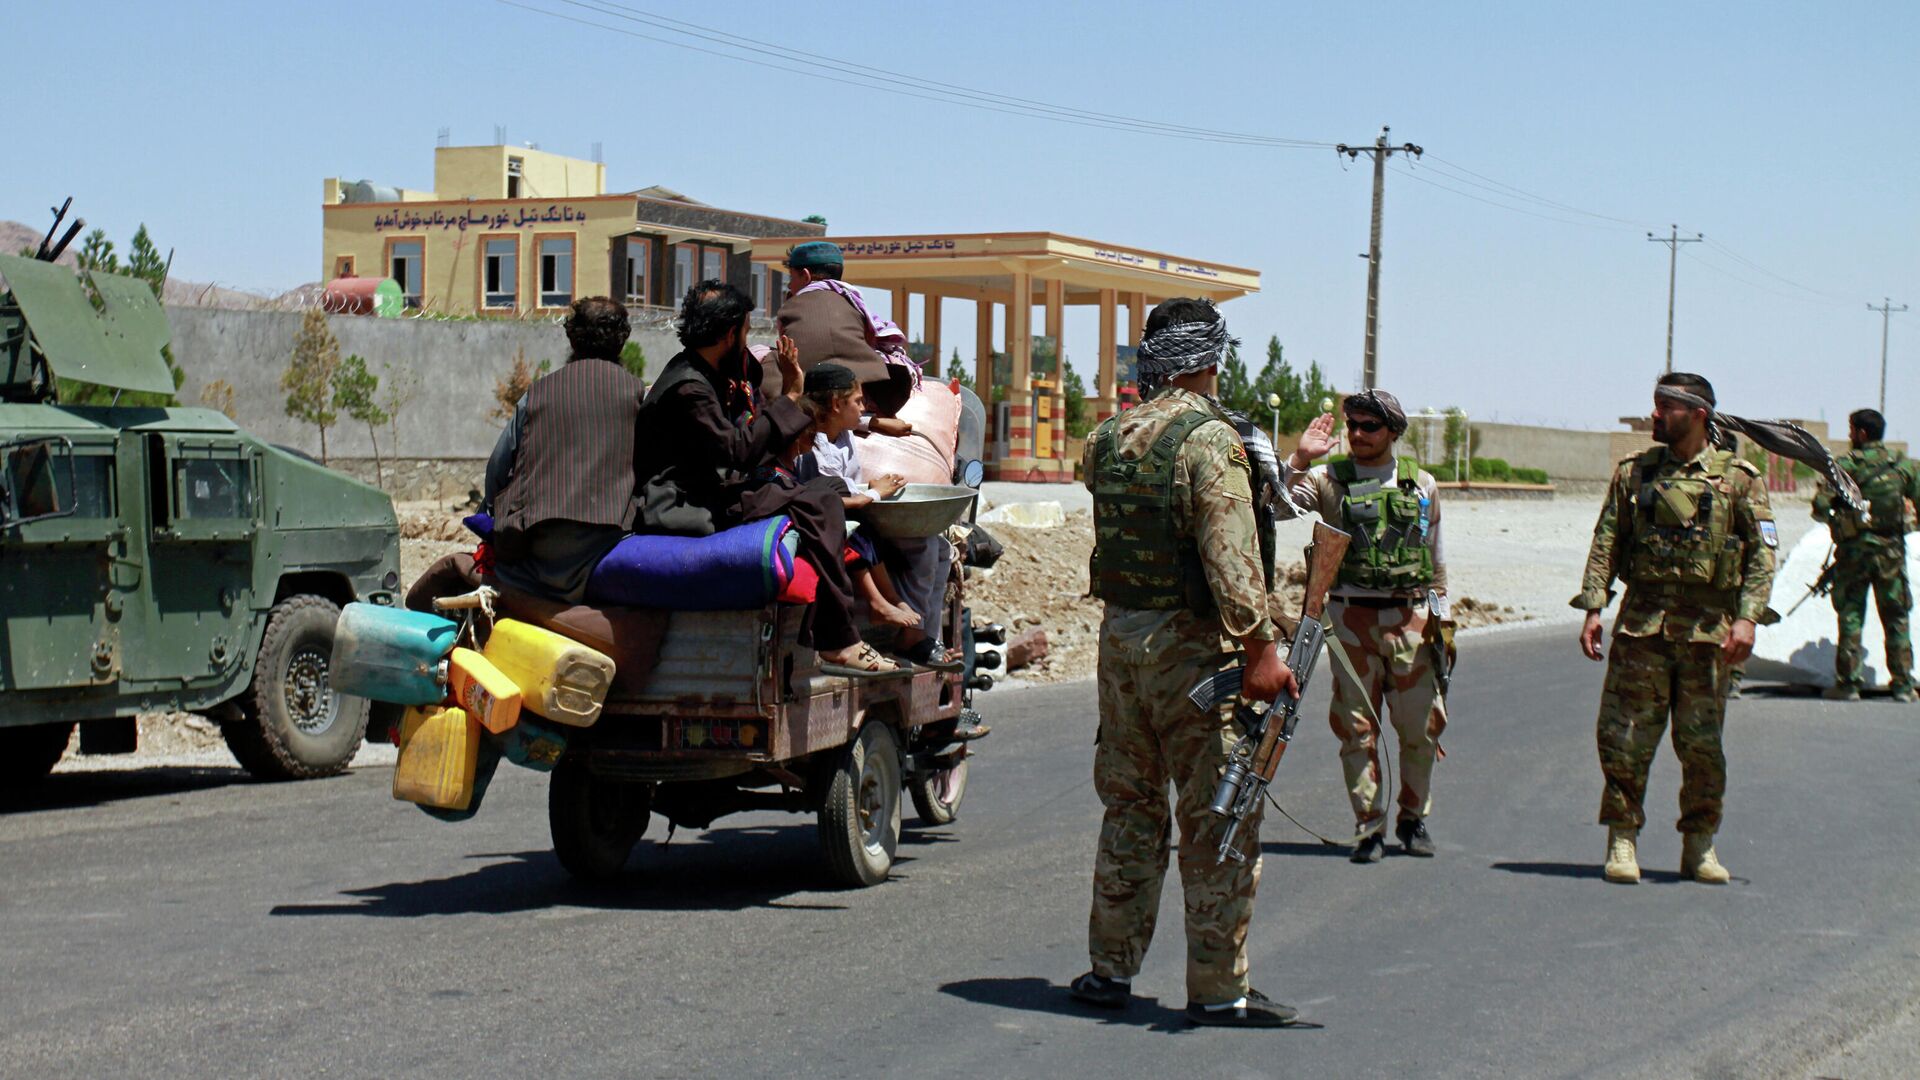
{"type": "Point", "coordinates": [896, 247]}
{"type": "Point", "coordinates": [518, 218]}
{"type": "Point", "coordinates": [1128, 258]}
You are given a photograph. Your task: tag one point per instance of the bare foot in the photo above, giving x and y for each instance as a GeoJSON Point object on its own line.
{"type": "Point", "coordinates": [898, 615]}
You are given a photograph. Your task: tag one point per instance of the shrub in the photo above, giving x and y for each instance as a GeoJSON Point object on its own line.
{"type": "Point", "coordinates": [1530, 476]}
{"type": "Point", "coordinates": [1492, 468]}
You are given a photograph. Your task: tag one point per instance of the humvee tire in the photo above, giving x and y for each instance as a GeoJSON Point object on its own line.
{"type": "Point", "coordinates": [594, 822]}
{"type": "Point", "coordinates": [28, 754]}
{"type": "Point", "coordinates": [860, 808]}
{"type": "Point", "coordinates": [291, 724]}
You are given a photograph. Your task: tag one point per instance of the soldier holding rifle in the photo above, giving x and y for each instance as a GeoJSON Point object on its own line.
{"type": "Point", "coordinates": [1177, 560]}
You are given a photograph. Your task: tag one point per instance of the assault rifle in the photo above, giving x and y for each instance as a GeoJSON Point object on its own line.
{"type": "Point", "coordinates": [1821, 586]}
{"type": "Point", "coordinates": [1267, 727]}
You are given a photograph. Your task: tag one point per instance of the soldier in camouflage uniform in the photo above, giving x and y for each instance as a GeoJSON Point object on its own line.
{"type": "Point", "coordinates": [1177, 561]}
{"type": "Point", "coordinates": [1688, 528]}
{"type": "Point", "coordinates": [1388, 617]}
{"type": "Point", "coordinates": [1870, 555]}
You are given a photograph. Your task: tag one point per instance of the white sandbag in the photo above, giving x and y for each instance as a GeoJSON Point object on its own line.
{"type": "Point", "coordinates": [1800, 647]}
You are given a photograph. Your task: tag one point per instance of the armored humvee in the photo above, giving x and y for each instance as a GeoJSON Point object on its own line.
{"type": "Point", "coordinates": [162, 558]}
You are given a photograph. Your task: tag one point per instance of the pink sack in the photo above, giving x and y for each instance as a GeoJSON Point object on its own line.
{"type": "Point", "coordinates": [926, 456]}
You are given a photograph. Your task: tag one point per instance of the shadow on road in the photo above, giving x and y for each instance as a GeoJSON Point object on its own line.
{"type": "Point", "coordinates": [1038, 995]}
{"type": "Point", "coordinates": [1303, 848]}
{"type": "Point", "coordinates": [1583, 870]}
{"type": "Point", "coordinates": [731, 870]}
{"type": "Point", "coordinates": [76, 790]}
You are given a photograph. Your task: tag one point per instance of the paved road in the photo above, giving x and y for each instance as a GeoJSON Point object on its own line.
{"type": "Point", "coordinates": [178, 922]}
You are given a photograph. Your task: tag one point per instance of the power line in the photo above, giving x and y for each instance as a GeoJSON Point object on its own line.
{"type": "Point", "coordinates": [1499, 187]}
{"type": "Point", "coordinates": [1430, 182]}
{"type": "Point", "coordinates": [1751, 265]}
{"type": "Point", "coordinates": [731, 40]}
{"type": "Point", "coordinates": [841, 72]}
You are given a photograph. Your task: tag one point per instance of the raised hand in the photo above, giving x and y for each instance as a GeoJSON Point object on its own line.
{"type": "Point", "coordinates": [786, 355]}
{"type": "Point", "coordinates": [1315, 442]}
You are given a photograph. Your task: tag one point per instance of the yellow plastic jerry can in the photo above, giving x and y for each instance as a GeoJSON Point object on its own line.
{"type": "Point", "coordinates": [559, 678]}
{"type": "Point", "coordinates": [483, 690]}
{"type": "Point", "coordinates": [437, 758]}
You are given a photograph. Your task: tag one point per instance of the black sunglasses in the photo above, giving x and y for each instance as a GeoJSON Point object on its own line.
{"type": "Point", "coordinates": [1368, 426]}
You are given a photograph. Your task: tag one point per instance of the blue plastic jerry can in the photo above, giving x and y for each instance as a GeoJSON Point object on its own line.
{"type": "Point", "coordinates": [391, 654]}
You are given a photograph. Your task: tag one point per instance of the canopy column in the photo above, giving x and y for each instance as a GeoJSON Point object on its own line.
{"type": "Point", "coordinates": [1104, 391]}
{"type": "Point", "coordinates": [931, 334]}
{"type": "Point", "coordinates": [1020, 385]}
{"type": "Point", "coordinates": [902, 299]}
{"type": "Point", "coordinates": [1055, 298]}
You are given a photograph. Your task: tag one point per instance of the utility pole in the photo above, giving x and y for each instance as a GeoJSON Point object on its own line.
{"type": "Point", "coordinates": [1381, 152]}
{"type": "Point", "coordinates": [1886, 310]}
{"type": "Point", "coordinates": [1673, 243]}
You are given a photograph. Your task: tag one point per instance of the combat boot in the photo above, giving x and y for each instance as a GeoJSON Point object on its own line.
{"type": "Point", "coordinates": [1697, 860]}
{"type": "Point", "coordinates": [1905, 695]}
{"type": "Point", "coordinates": [1841, 692]}
{"type": "Point", "coordinates": [1623, 861]}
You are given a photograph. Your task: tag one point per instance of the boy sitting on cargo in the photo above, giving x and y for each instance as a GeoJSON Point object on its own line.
{"type": "Point", "coordinates": [706, 430]}
{"type": "Point", "coordinates": [920, 566]}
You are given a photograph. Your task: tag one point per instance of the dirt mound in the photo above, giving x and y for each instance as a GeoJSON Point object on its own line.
{"type": "Point", "coordinates": [1042, 581]}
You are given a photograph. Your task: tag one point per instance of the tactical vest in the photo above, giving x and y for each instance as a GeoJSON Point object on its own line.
{"type": "Point", "coordinates": [1682, 527]}
{"type": "Point", "coordinates": [1883, 483]}
{"type": "Point", "coordinates": [1139, 558]}
{"type": "Point", "coordinates": [1389, 526]}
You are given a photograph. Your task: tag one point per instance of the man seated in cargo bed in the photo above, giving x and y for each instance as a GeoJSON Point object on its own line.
{"type": "Point", "coordinates": [706, 430]}
{"type": "Point", "coordinates": [560, 482]}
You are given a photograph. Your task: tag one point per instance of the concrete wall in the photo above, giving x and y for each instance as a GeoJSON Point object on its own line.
{"type": "Point", "coordinates": [454, 365]}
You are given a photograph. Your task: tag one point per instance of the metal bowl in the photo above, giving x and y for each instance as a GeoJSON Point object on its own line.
{"type": "Point", "coordinates": [919, 510]}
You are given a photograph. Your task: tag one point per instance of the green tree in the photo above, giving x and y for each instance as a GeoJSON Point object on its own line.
{"type": "Point", "coordinates": [144, 262]}
{"type": "Point", "coordinates": [957, 370]}
{"type": "Point", "coordinates": [308, 379]}
{"type": "Point", "coordinates": [399, 386]}
{"type": "Point", "coordinates": [1236, 390]}
{"type": "Point", "coordinates": [96, 253]}
{"type": "Point", "coordinates": [1075, 392]}
{"type": "Point", "coordinates": [356, 392]}
{"type": "Point", "coordinates": [815, 219]}
{"type": "Point", "coordinates": [634, 359]}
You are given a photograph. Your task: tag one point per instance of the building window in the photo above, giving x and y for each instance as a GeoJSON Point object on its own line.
{"type": "Point", "coordinates": [556, 271]}
{"type": "Point", "coordinates": [515, 166]}
{"type": "Point", "coordinates": [639, 271]}
{"type": "Point", "coordinates": [713, 264]}
{"type": "Point", "coordinates": [683, 260]}
{"type": "Point", "coordinates": [761, 291]}
{"type": "Point", "coordinates": [343, 266]}
{"type": "Point", "coordinates": [500, 270]}
{"type": "Point", "coordinates": [405, 264]}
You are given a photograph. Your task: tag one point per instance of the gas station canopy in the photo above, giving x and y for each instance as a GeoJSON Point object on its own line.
{"type": "Point", "coordinates": [1021, 270]}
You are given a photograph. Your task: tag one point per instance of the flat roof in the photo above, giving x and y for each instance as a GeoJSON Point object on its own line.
{"type": "Point", "coordinates": [981, 266]}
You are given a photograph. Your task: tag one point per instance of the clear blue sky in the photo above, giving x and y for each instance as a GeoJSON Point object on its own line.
{"type": "Point", "coordinates": [1785, 132]}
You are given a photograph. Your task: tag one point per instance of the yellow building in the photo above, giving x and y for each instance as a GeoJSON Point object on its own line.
{"type": "Point", "coordinates": [514, 231]}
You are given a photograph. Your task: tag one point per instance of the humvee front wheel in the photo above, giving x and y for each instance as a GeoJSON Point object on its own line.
{"type": "Point", "coordinates": [292, 725]}
{"type": "Point", "coordinates": [28, 754]}
{"type": "Point", "coordinates": [860, 808]}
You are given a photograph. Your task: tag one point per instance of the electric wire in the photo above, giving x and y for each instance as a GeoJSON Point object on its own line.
{"type": "Point", "coordinates": [838, 64]}
{"type": "Point", "coordinates": [905, 87]}
{"type": "Point", "coordinates": [1494, 192]}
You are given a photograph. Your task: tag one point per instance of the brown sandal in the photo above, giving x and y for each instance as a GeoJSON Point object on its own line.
{"type": "Point", "coordinates": [867, 663]}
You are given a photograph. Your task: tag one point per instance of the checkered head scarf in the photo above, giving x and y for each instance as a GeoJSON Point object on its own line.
{"type": "Point", "coordinates": [1782, 437]}
{"type": "Point", "coordinates": [1180, 349]}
